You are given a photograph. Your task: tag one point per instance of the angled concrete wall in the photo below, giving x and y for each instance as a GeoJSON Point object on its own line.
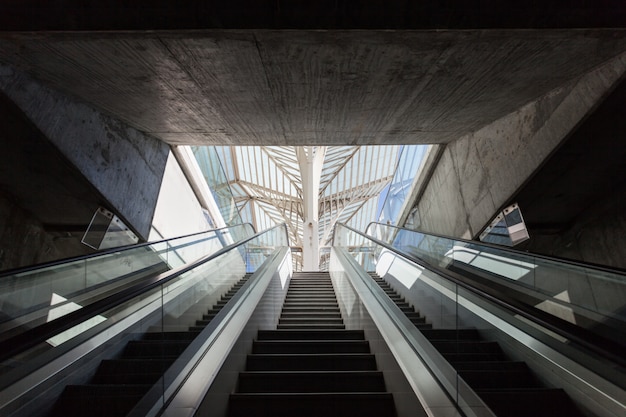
{"type": "Point", "coordinates": [23, 240]}
{"type": "Point", "coordinates": [480, 172]}
{"type": "Point", "coordinates": [123, 164]}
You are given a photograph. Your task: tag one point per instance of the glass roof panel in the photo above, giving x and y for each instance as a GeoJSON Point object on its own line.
{"type": "Point", "coordinates": [266, 183]}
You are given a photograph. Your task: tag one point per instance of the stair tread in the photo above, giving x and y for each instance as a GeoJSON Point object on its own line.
{"type": "Point", "coordinates": [308, 334]}
{"type": "Point", "coordinates": [335, 404]}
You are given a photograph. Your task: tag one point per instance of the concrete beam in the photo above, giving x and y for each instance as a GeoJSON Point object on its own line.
{"type": "Point", "coordinates": [480, 172]}
{"type": "Point", "coordinates": [123, 164]}
{"type": "Point", "coordinates": [307, 87]}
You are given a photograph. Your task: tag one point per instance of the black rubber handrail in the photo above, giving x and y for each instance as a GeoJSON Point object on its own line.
{"type": "Point", "coordinates": [23, 269]}
{"type": "Point", "coordinates": [36, 335]}
{"type": "Point", "coordinates": [589, 340]}
{"type": "Point", "coordinates": [556, 259]}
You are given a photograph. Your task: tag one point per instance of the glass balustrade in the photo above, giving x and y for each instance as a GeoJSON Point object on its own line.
{"type": "Point", "coordinates": [162, 316]}
{"type": "Point", "coordinates": [38, 295]}
{"type": "Point", "coordinates": [453, 317]}
{"type": "Point", "coordinates": [590, 297]}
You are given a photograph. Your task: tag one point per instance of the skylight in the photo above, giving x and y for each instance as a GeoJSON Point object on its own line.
{"type": "Point", "coordinates": [266, 187]}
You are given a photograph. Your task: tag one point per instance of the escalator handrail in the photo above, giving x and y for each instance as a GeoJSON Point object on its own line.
{"type": "Point", "coordinates": [555, 259]}
{"type": "Point", "coordinates": [589, 340]}
{"type": "Point", "coordinates": [38, 334]}
{"type": "Point", "coordinates": [24, 269]}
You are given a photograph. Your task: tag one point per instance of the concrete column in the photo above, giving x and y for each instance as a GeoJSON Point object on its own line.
{"type": "Point", "coordinates": [311, 161]}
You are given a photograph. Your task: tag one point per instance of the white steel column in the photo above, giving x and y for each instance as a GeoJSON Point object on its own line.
{"type": "Point", "coordinates": [311, 162]}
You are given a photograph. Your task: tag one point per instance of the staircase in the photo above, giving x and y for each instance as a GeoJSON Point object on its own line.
{"type": "Point", "coordinates": [120, 383]}
{"type": "Point", "coordinates": [508, 387]}
{"type": "Point", "coordinates": [310, 365]}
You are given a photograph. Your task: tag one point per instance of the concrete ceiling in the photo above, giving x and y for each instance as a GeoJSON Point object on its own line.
{"type": "Point", "coordinates": [306, 87]}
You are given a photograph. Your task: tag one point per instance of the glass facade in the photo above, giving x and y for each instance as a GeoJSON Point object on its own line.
{"type": "Point", "coordinates": [409, 163]}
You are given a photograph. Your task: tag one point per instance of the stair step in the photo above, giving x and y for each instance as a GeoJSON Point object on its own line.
{"type": "Point", "coordinates": [366, 404]}
{"type": "Point", "coordinates": [474, 357]}
{"type": "Point", "coordinates": [154, 348]}
{"type": "Point", "coordinates": [314, 313]}
{"type": "Point", "coordinates": [451, 334]}
{"type": "Point", "coordinates": [328, 326]}
{"type": "Point", "coordinates": [310, 320]}
{"type": "Point", "coordinates": [311, 335]}
{"type": "Point", "coordinates": [530, 402]}
{"type": "Point", "coordinates": [486, 365]}
{"type": "Point", "coordinates": [130, 371]}
{"type": "Point", "coordinates": [306, 301]}
{"type": "Point", "coordinates": [98, 400]}
{"type": "Point", "coordinates": [418, 320]}
{"type": "Point", "coordinates": [311, 381]}
{"type": "Point", "coordinates": [306, 307]}
{"type": "Point", "coordinates": [310, 346]}
{"type": "Point", "coordinates": [329, 292]}
{"type": "Point", "coordinates": [200, 324]}
{"type": "Point", "coordinates": [179, 335]}
{"type": "Point", "coordinates": [466, 346]}
{"type": "Point", "coordinates": [496, 378]}
{"type": "Point", "coordinates": [289, 305]}
{"type": "Point", "coordinates": [312, 362]}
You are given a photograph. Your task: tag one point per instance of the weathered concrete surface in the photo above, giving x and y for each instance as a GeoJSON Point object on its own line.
{"type": "Point", "coordinates": [45, 204]}
{"type": "Point", "coordinates": [23, 240]}
{"type": "Point", "coordinates": [575, 205]}
{"type": "Point", "coordinates": [479, 173]}
{"type": "Point", "coordinates": [597, 236]}
{"type": "Point", "coordinates": [305, 87]}
{"type": "Point", "coordinates": [124, 165]}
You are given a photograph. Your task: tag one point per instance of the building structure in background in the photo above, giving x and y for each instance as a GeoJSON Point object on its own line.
{"type": "Point", "coordinates": [264, 186]}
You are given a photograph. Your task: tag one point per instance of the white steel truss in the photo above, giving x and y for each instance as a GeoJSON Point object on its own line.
{"type": "Point", "coordinates": [267, 185]}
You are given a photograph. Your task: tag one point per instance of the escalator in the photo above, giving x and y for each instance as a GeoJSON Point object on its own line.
{"type": "Point", "coordinates": [119, 383]}
{"type": "Point", "coordinates": [493, 327]}
{"type": "Point", "coordinates": [237, 333]}
{"type": "Point", "coordinates": [114, 350]}
{"type": "Point", "coordinates": [507, 386]}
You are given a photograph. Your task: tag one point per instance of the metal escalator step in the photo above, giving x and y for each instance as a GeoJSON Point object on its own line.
{"type": "Point", "coordinates": [466, 346]}
{"type": "Point", "coordinates": [539, 402]}
{"type": "Point", "coordinates": [130, 371]}
{"type": "Point", "coordinates": [154, 348]}
{"type": "Point", "coordinates": [489, 365]}
{"type": "Point", "coordinates": [452, 334]}
{"type": "Point", "coordinates": [98, 400]}
{"type": "Point", "coordinates": [175, 336]}
{"type": "Point", "coordinates": [474, 357]}
{"type": "Point", "coordinates": [499, 378]}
